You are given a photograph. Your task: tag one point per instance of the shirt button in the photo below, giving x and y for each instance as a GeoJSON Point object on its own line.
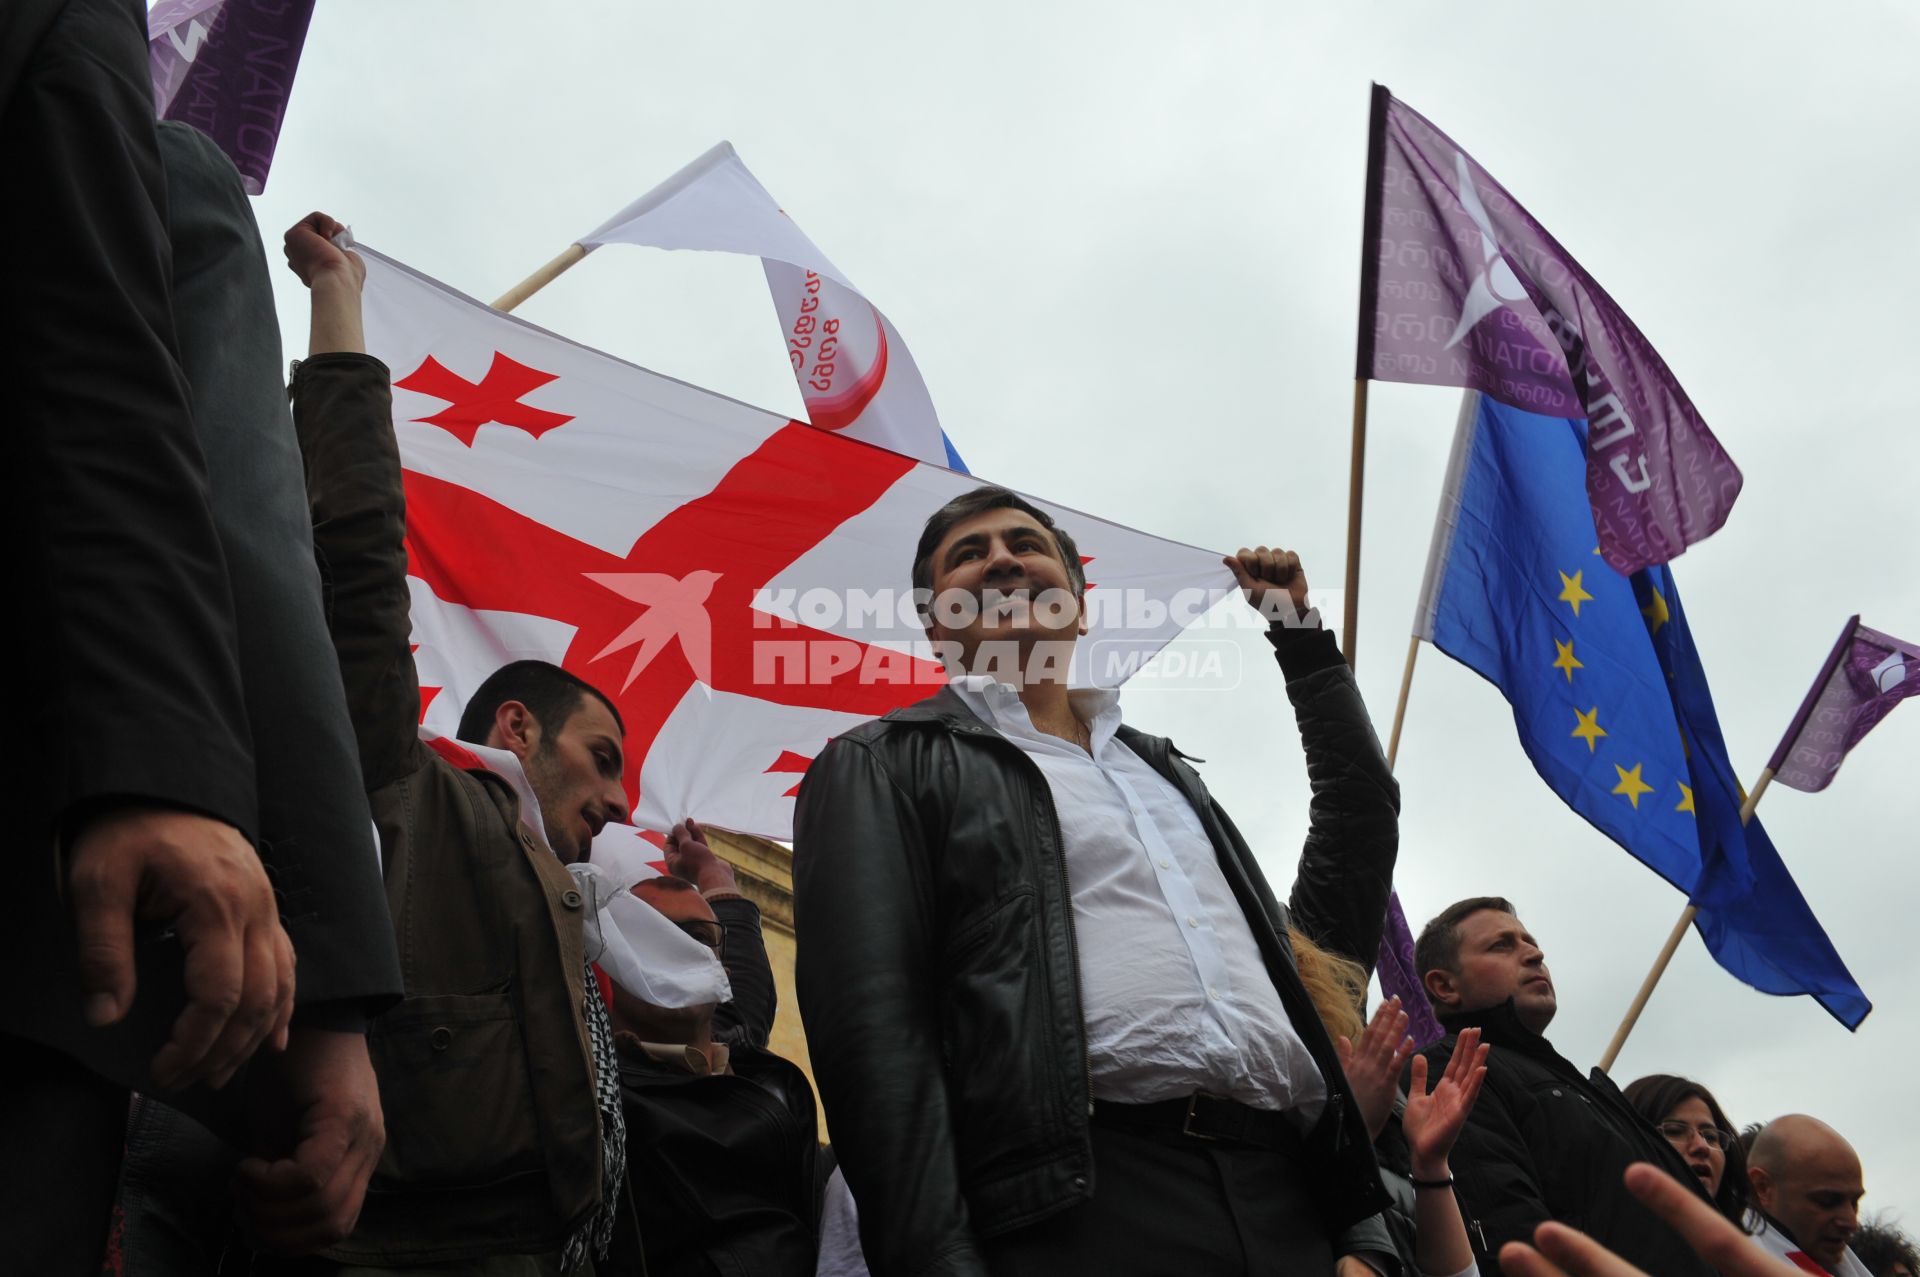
{"type": "Point", "coordinates": [1164, 863]}
{"type": "Point", "coordinates": [1213, 993]}
{"type": "Point", "coordinates": [1192, 921]}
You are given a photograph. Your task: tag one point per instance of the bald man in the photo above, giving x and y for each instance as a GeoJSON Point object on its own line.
{"type": "Point", "coordinates": [1807, 1182]}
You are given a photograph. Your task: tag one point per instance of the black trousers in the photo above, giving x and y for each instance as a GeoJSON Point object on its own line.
{"type": "Point", "coordinates": [1164, 1203]}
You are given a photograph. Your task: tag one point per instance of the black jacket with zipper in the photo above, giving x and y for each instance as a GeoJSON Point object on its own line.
{"type": "Point", "coordinates": [938, 975]}
{"type": "Point", "coordinates": [1544, 1142]}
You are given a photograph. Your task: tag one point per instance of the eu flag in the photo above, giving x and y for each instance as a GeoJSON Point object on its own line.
{"type": "Point", "coordinates": [1608, 693]}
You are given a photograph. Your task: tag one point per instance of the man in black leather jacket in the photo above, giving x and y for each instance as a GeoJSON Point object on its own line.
{"type": "Point", "coordinates": [1049, 997]}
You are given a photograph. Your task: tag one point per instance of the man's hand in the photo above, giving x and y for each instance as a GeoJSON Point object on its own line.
{"type": "Point", "coordinates": [1273, 582]}
{"type": "Point", "coordinates": [319, 1100]}
{"type": "Point", "coordinates": [1373, 1064]}
{"type": "Point", "coordinates": [1432, 1122]}
{"type": "Point", "coordinates": [1354, 1266]}
{"type": "Point", "coordinates": [334, 277]}
{"type": "Point", "coordinates": [315, 258]}
{"type": "Point", "coordinates": [689, 857]}
{"type": "Point", "coordinates": [200, 877]}
{"type": "Point", "coordinates": [1567, 1252]}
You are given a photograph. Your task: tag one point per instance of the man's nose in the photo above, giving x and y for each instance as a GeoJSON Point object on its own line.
{"type": "Point", "coordinates": [1001, 559]}
{"type": "Point", "coordinates": [614, 803]}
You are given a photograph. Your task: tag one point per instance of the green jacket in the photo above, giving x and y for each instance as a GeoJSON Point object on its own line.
{"type": "Point", "coordinates": [486, 1070]}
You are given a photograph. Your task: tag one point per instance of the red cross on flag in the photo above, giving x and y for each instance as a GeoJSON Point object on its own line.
{"type": "Point", "coordinates": [735, 581]}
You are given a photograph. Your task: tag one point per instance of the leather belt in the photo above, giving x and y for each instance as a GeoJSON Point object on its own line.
{"type": "Point", "coordinates": [1206, 1118]}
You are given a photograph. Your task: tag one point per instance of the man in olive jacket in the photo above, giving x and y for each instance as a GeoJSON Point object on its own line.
{"type": "Point", "coordinates": [498, 1145]}
{"type": "Point", "coordinates": [1049, 998]}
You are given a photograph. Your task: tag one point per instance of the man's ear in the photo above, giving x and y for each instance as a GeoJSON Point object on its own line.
{"type": "Point", "coordinates": [1762, 1187]}
{"type": "Point", "coordinates": [514, 728]}
{"type": "Point", "coordinates": [1440, 988]}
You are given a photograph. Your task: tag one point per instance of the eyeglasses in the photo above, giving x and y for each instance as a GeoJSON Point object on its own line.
{"type": "Point", "coordinates": [710, 934]}
{"type": "Point", "coordinates": [1680, 1132]}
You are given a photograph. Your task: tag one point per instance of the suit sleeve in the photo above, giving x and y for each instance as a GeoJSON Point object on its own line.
{"type": "Point", "coordinates": [135, 689]}
{"type": "Point", "coordinates": [1346, 867]}
{"type": "Point", "coordinates": [343, 416]}
{"type": "Point", "coordinates": [748, 1018]}
{"type": "Point", "coordinates": [864, 922]}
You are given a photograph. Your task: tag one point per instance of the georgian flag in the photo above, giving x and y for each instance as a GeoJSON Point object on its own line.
{"type": "Point", "coordinates": [736, 582]}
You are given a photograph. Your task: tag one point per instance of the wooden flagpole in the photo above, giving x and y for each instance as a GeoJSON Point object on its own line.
{"type": "Point", "coordinates": [1363, 363]}
{"type": "Point", "coordinates": [1673, 942]}
{"type": "Point", "coordinates": [540, 278]}
{"type": "Point", "coordinates": [1356, 486]}
{"type": "Point", "coordinates": [1400, 708]}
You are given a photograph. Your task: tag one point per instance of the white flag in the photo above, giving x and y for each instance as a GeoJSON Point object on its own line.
{"type": "Point", "coordinates": [855, 373]}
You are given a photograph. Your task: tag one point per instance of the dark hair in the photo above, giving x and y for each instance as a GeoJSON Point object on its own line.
{"type": "Point", "coordinates": [550, 694]}
{"type": "Point", "coordinates": [1438, 948]}
{"type": "Point", "coordinates": [1658, 1094]}
{"type": "Point", "coordinates": [1880, 1245]}
{"type": "Point", "coordinates": [979, 501]}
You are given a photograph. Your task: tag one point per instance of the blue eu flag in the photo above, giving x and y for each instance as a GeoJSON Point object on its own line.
{"type": "Point", "coordinates": [1608, 693]}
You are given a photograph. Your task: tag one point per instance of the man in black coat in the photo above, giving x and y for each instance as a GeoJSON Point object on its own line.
{"type": "Point", "coordinates": [1049, 997]}
{"type": "Point", "coordinates": [137, 781]}
{"type": "Point", "coordinates": [1543, 1142]}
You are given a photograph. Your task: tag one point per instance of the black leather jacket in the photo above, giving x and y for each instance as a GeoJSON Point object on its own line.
{"type": "Point", "coordinates": [938, 976]}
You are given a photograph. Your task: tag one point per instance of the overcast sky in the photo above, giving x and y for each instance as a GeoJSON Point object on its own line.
{"type": "Point", "coordinates": [1122, 242]}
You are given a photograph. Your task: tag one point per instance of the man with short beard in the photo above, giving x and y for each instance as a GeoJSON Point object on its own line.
{"type": "Point", "coordinates": [1543, 1141]}
{"type": "Point", "coordinates": [497, 1073]}
{"type": "Point", "coordinates": [1807, 1185]}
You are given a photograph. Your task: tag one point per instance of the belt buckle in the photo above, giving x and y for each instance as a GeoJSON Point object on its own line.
{"type": "Point", "coordinates": [1186, 1127]}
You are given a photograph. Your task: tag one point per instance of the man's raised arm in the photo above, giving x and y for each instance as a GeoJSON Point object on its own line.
{"type": "Point", "coordinates": [342, 412]}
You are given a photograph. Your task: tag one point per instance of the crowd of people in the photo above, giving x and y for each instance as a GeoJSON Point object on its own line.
{"type": "Point", "coordinates": [295, 991]}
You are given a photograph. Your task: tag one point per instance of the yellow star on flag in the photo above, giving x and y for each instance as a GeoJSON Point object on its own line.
{"type": "Point", "coordinates": [1631, 786]}
{"type": "Point", "coordinates": [1656, 613]}
{"type": "Point", "coordinates": [1686, 798]}
{"type": "Point", "coordinates": [1589, 730]}
{"type": "Point", "coordinates": [1571, 591]}
{"type": "Point", "coordinates": [1565, 660]}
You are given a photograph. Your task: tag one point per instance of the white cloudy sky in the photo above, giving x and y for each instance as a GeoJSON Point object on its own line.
{"type": "Point", "coordinates": [1122, 241]}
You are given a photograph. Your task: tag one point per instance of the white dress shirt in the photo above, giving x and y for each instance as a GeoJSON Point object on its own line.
{"type": "Point", "coordinates": [1176, 996]}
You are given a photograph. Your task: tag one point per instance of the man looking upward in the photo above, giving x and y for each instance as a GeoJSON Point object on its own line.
{"type": "Point", "coordinates": [1048, 994]}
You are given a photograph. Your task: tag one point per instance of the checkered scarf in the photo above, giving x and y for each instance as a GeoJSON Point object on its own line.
{"type": "Point", "coordinates": [597, 1232]}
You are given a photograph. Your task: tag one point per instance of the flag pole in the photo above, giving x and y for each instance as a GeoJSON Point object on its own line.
{"type": "Point", "coordinates": [1363, 363]}
{"type": "Point", "coordinates": [1400, 709]}
{"type": "Point", "coordinates": [540, 278]}
{"type": "Point", "coordinates": [1673, 941]}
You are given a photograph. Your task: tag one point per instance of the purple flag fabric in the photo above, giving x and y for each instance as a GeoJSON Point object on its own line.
{"type": "Point", "coordinates": [1399, 979]}
{"type": "Point", "coordinates": [1865, 676]}
{"type": "Point", "coordinates": [226, 67]}
{"type": "Point", "coordinates": [1461, 287]}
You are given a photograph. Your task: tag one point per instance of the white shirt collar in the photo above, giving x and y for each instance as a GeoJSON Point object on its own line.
{"type": "Point", "coordinates": [998, 705]}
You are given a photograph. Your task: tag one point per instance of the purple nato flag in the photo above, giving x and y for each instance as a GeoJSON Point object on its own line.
{"type": "Point", "coordinates": [226, 67]}
{"type": "Point", "coordinates": [1865, 676]}
{"type": "Point", "coordinates": [1398, 979]}
{"type": "Point", "coordinates": [1461, 287]}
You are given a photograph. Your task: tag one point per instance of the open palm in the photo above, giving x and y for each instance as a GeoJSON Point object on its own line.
{"type": "Point", "coordinates": [1432, 1120]}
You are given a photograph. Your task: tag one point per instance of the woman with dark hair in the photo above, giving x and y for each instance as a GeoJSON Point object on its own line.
{"type": "Point", "coordinates": [1691, 1119]}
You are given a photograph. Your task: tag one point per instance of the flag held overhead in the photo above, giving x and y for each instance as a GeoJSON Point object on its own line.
{"type": "Point", "coordinates": [1462, 287]}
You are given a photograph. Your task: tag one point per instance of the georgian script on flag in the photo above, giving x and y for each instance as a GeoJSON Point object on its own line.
{"type": "Point", "coordinates": [736, 582]}
{"type": "Point", "coordinates": [854, 371]}
{"type": "Point", "coordinates": [1471, 291]}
